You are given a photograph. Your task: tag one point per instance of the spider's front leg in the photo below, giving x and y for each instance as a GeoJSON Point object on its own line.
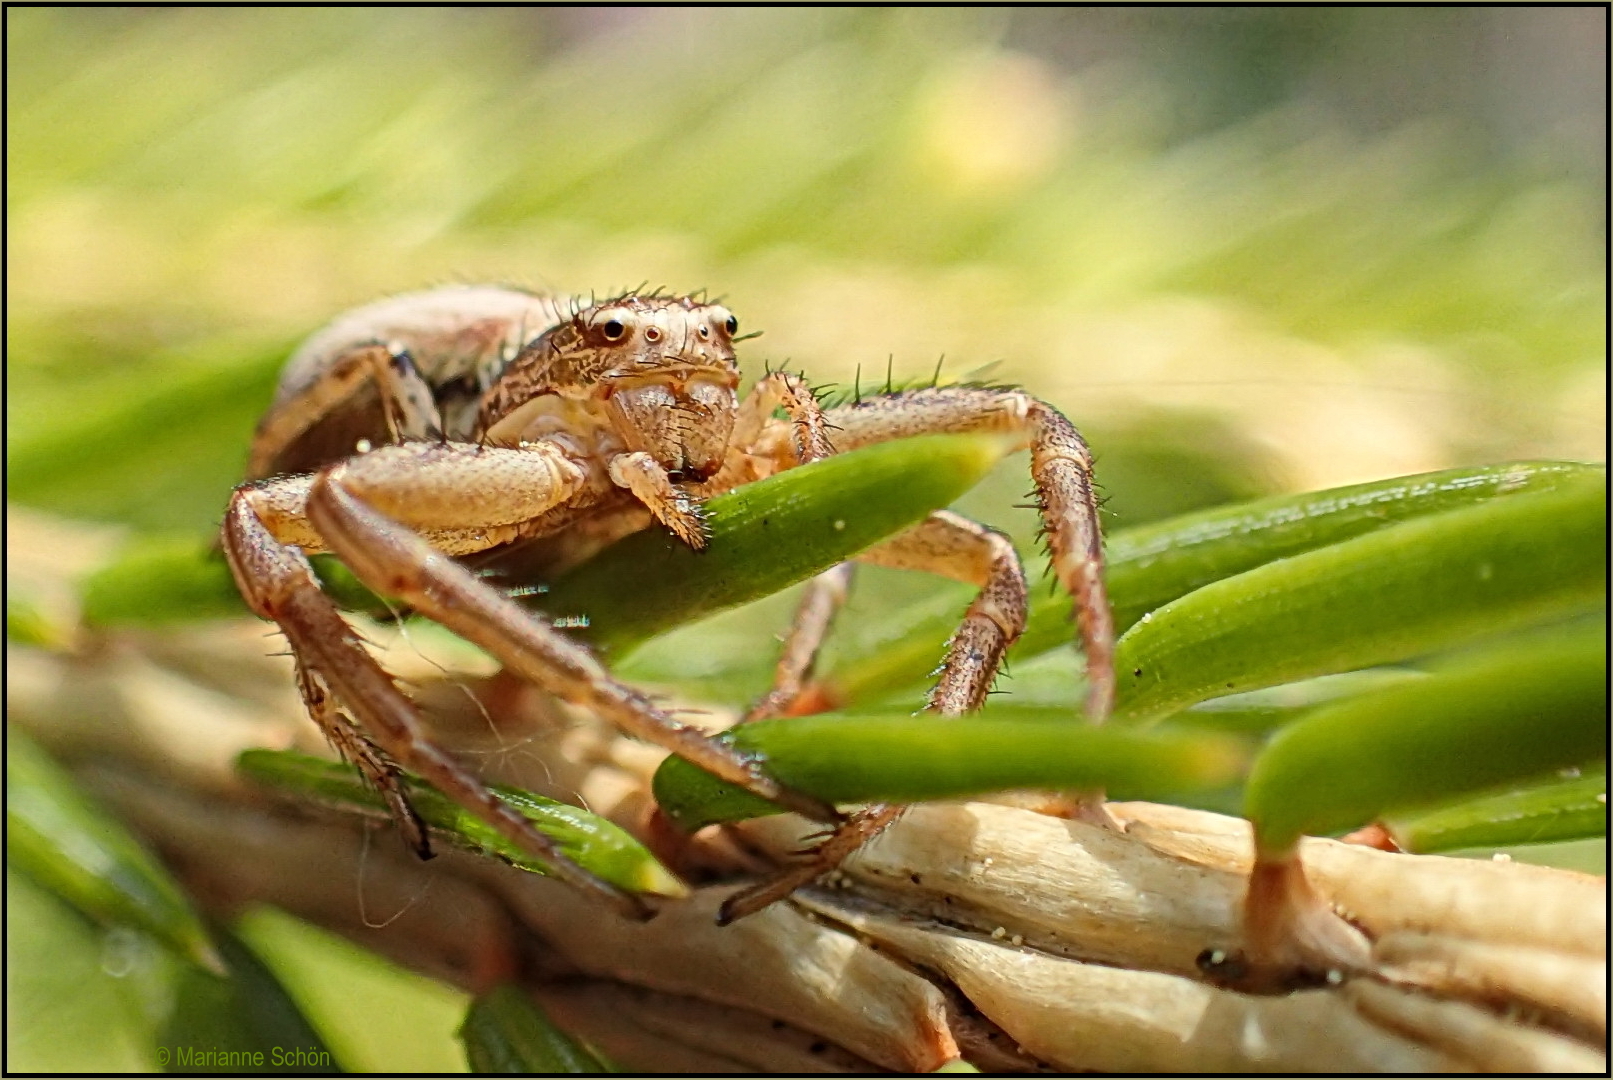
{"type": "Point", "coordinates": [399, 563]}
{"type": "Point", "coordinates": [377, 512]}
{"type": "Point", "coordinates": [357, 750]}
{"type": "Point", "coordinates": [955, 547]}
{"type": "Point", "coordinates": [1061, 467]}
{"type": "Point", "coordinates": [268, 528]}
{"type": "Point", "coordinates": [363, 508]}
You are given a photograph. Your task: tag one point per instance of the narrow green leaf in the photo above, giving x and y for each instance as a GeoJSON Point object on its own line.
{"type": "Point", "coordinates": [768, 536]}
{"type": "Point", "coordinates": [1047, 687]}
{"type": "Point", "coordinates": [246, 1023]}
{"type": "Point", "coordinates": [161, 579]}
{"type": "Point", "coordinates": [166, 579]}
{"type": "Point", "coordinates": [1552, 810]}
{"type": "Point", "coordinates": [158, 449]}
{"type": "Point", "coordinates": [1149, 566]}
{"type": "Point", "coordinates": [377, 1016]}
{"type": "Point", "coordinates": [1262, 711]}
{"type": "Point", "coordinates": [1153, 565]}
{"type": "Point", "coordinates": [505, 1032]}
{"type": "Point", "coordinates": [1507, 714]}
{"type": "Point", "coordinates": [597, 845]}
{"type": "Point", "coordinates": [1411, 589]}
{"type": "Point", "coordinates": [65, 842]}
{"type": "Point", "coordinates": [903, 758]}
{"type": "Point", "coordinates": [765, 537]}
{"type": "Point", "coordinates": [68, 988]}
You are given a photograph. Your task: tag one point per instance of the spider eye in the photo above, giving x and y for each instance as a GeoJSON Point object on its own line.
{"type": "Point", "coordinates": [652, 334]}
{"type": "Point", "coordinates": [705, 331]}
{"type": "Point", "coordinates": [732, 325]}
{"type": "Point", "coordinates": [614, 330]}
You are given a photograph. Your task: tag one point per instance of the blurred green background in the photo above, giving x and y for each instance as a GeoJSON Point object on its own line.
{"type": "Point", "coordinates": [1313, 246]}
{"type": "Point", "coordinates": [1246, 250]}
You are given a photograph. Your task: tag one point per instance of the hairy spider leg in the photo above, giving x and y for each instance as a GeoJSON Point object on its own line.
{"type": "Point", "coordinates": [1061, 466]}
{"type": "Point", "coordinates": [820, 602]}
{"type": "Point", "coordinates": [406, 399]}
{"type": "Point", "coordinates": [759, 445]}
{"type": "Point", "coordinates": [363, 510]}
{"type": "Point", "coordinates": [349, 507]}
{"type": "Point", "coordinates": [356, 749]}
{"type": "Point", "coordinates": [953, 546]}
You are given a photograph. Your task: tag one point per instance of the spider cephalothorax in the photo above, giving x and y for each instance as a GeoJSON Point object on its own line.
{"type": "Point", "coordinates": [659, 371]}
{"type": "Point", "coordinates": [487, 420]}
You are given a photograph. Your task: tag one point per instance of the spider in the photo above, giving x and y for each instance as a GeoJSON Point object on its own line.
{"type": "Point", "coordinates": [477, 420]}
